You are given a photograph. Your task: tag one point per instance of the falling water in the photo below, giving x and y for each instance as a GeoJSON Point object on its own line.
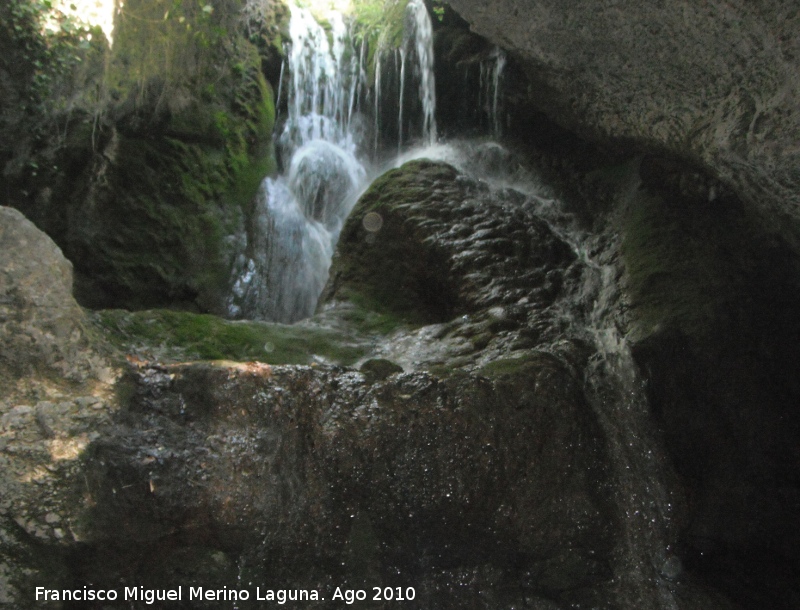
{"type": "Point", "coordinates": [421, 35]}
{"type": "Point", "coordinates": [280, 86]}
{"type": "Point", "coordinates": [377, 121]}
{"type": "Point", "coordinates": [497, 75]}
{"type": "Point", "coordinates": [641, 478]}
{"type": "Point", "coordinates": [418, 47]}
{"type": "Point", "coordinates": [402, 99]}
{"type": "Point", "coordinates": [299, 214]}
{"type": "Point", "coordinates": [491, 74]}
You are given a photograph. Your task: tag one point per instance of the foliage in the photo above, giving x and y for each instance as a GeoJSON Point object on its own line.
{"type": "Point", "coordinates": [380, 23]}
{"type": "Point", "coordinates": [44, 45]}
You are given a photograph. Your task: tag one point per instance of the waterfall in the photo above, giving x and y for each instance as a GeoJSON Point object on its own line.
{"type": "Point", "coordinates": [418, 47]}
{"type": "Point", "coordinates": [299, 214]}
{"type": "Point", "coordinates": [421, 36]}
{"type": "Point", "coordinates": [401, 99]}
{"type": "Point", "coordinates": [491, 74]}
{"type": "Point", "coordinates": [377, 121]}
{"type": "Point", "coordinates": [640, 470]}
{"type": "Point", "coordinates": [640, 473]}
{"type": "Point", "coordinates": [500, 63]}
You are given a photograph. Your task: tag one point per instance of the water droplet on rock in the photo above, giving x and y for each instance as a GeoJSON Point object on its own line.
{"type": "Point", "coordinates": [372, 222]}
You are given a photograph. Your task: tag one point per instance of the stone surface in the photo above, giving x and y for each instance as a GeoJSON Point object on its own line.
{"type": "Point", "coordinates": [488, 472]}
{"type": "Point", "coordinates": [141, 163]}
{"type": "Point", "coordinates": [42, 328]}
{"type": "Point", "coordinates": [55, 393]}
{"type": "Point", "coordinates": [716, 83]}
{"type": "Point", "coordinates": [426, 476]}
{"type": "Point", "coordinates": [446, 246]}
{"type": "Point", "coordinates": [712, 322]}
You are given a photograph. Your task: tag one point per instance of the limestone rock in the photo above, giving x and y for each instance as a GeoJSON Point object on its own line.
{"type": "Point", "coordinates": [42, 328]}
{"type": "Point", "coordinates": [445, 246]}
{"type": "Point", "coordinates": [715, 82]}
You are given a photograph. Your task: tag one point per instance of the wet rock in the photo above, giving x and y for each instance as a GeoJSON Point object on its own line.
{"type": "Point", "coordinates": [446, 247]}
{"type": "Point", "coordinates": [378, 369]}
{"type": "Point", "coordinates": [712, 83]}
{"type": "Point", "coordinates": [484, 474]}
{"type": "Point", "coordinates": [469, 472]}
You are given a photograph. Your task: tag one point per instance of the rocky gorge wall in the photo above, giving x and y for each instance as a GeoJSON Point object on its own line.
{"type": "Point", "coordinates": [141, 159]}
{"type": "Point", "coordinates": [668, 132]}
{"type": "Point", "coordinates": [708, 94]}
{"type": "Point", "coordinates": [714, 83]}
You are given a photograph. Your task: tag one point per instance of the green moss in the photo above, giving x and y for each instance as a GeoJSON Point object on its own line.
{"type": "Point", "coordinates": [381, 24]}
{"type": "Point", "coordinates": [369, 315]}
{"type": "Point", "coordinates": [167, 139]}
{"type": "Point", "coordinates": [410, 182]}
{"type": "Point", "coordinates": [193, 141]}
{"type": "Point", "coordinates": [172, 335]}
{"type": "Point", "coordinates": [395, 272]}
{"type": "Point", "coordinates": [516, 365]}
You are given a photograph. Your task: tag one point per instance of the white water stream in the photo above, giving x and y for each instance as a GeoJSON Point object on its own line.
{"type": "Point", "coordinates": [640, 475]}
{"type": "Point", "coordinates": [326, 158]}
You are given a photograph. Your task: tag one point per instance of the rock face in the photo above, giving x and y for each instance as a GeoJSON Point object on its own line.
{"type": "Point", "coordinates": [141, 162]}
{"type": "Point", "coordinates": [714, 327]}
{"type": "Point", "coordinates": [409, 481]}
{"type": "Point", "coordinates": [54, 395]}
{"type": "Point", "coordinates": [491, 472]}
{"type": "Point", "coordinates": [716, 83]}
{"type": "Point", "coordinates": [42, 329]}
{"type": "Point", "coordinates": [444, 246]}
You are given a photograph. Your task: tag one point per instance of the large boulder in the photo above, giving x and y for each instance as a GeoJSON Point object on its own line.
{"type": "Point", "coordinates": [428, 244]}
{"type": "Point", "coordinates": [42, 328]}
{"type": "Point", "coordinates": [54, 393]}
{"type": "Point", "coordinates": [716, 83]}
{"type": "Point", "coordinates": [141, 162]}
{"type": "Point", "coordinates": [495, 479]}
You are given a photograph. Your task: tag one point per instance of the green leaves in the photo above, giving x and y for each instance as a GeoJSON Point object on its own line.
{"type": "Point", "coordinates": [48, 43]}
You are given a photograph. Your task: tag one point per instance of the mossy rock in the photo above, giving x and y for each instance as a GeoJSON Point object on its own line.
{"type": "Point", "coordinates": [381, 23]}
{"type": "Point", "coordinates": [685, 263]}
{"type": "Point", "coordinates": [175, 336]}
{"type": "Point", "coordinates": [394, 269]}
{"type": "Point", "coordinates": [143, 187]}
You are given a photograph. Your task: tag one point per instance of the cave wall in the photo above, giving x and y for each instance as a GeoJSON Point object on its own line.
{"type": "Point", "coordinates": [714, 82]}
{"type": "Point", "coordinates": [696, 103]}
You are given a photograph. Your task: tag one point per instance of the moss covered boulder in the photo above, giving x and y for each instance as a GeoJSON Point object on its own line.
{"type": "Point", "coordinates": [144, 183]}
{"type": "Point", "coordinates": [429, 244]}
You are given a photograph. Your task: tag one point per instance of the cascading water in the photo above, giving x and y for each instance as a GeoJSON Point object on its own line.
{"type": "Point", "coordinates": [299, 214]}
{"type": "Point", "coordinates": [420, 37]}
{"type": "Point", "coordinates": [323, 146]}
{"type": "Point", "coordinates": [491, 79]}
{"type": "Point", "coordinates": [377, 108]}
{"type": "Point", "coordinates": [418, 46]}
{"type": "Point", "coordinates": [640, 476]}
